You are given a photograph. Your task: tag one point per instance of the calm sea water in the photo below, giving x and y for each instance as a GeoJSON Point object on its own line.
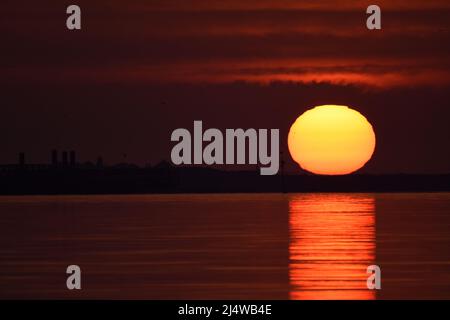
{"type": "Point", "coordinates": [249, 246]}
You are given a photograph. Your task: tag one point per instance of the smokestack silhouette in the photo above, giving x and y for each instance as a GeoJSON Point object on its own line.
{"type": "Point", "coordinates": [54, 158]}
{"type": "Point", "coordinates": [72, 158]}
{"type": "Point", "coordinates": [64, 159]}
{"type": "Point", "coordinates": [21, 159]}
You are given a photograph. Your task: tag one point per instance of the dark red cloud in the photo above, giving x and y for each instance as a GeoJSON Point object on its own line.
{"type": "Point", "coordinates": [216, 41]}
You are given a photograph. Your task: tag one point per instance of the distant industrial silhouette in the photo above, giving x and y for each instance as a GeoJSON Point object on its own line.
{"type": "Point", "coordinates": [65, 175]}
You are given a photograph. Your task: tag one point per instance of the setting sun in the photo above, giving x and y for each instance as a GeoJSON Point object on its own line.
{"type": "Point", "coordinates": [331, 140]}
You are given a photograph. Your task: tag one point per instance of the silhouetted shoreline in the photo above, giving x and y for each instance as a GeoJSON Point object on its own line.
{"type": "Point", "coordinates": [165, 178]}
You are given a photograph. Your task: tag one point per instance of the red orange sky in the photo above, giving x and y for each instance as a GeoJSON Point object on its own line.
{"type": "Point", "coordinates": [226, 41]}
{"type": "Point", "coordinates": [139, 69]}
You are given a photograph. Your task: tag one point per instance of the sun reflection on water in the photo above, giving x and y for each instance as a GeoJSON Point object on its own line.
{"type": "Point", "coordinates": [332, 241]}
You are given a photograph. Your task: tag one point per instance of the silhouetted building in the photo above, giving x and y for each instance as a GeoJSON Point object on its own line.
{"type": "Point", "coordinates": [22, 159]}
{"type": "Point", "coordinates": [65, 159]}
{"type": "Point", "coordinates": [54, 158]}
{"type": "Point", "coordinates": [72, 159]}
